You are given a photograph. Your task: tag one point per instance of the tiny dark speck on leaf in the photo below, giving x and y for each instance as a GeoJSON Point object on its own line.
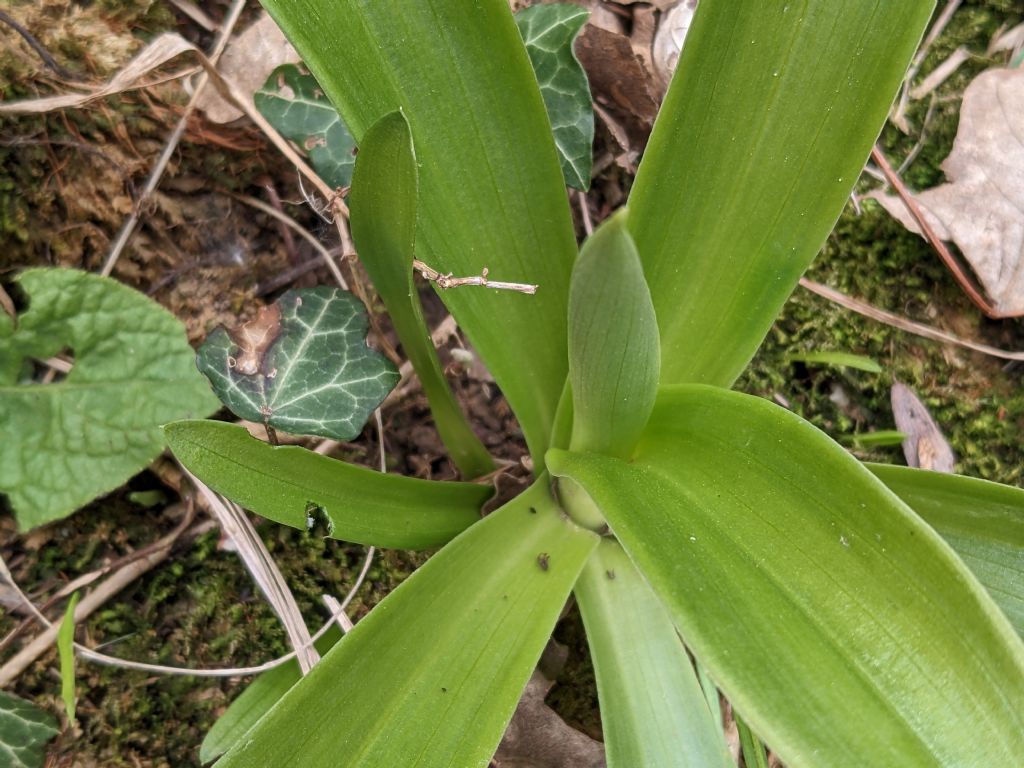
{"type": "Point", "coordinates": [542, 561]}
{"type": "Point", "coordinates": [444, 690]}
{"type": "Point", "coordinates": [610, 575]}
{"type": "Point", "coordinates": [533, 510]}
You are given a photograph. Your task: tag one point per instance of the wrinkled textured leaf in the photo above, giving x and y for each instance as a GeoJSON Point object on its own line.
{"type": "Point", "coordinates": [24, 730]}
{"type": "Point", "coordinates": [981, 209]}
{"type": "Point", "coordinates": [66, 652]}
{"type": "Point", "coordinates": [765, 129]}
{"type": "Point", "coordinates": [613, 343]}
{"type": "Point", "coordinates": [305, 369]}
{"type": "Point", "coordinates": [653, 711]}
{"type": "Point", "coordinates": [982, 521]}
{"type": "Point", "coordinates": [63, 444]}
{"type": "Point", "coordinates": [383, 208]}
{"type": "Point", "coordinates": [491, 189]}
{"type": "Point", "coordinates": [303, 489]}
{"type": "Point", "coordinates": [432, 675]}
{"type": "Point", "coordinates": [838, 623]}
{"type": "Point", "coordinates": [548, 32]}
{"type": "Point", "coordinates": [255, 701]}
{"type": "Point", "coordinates": [293, 102]}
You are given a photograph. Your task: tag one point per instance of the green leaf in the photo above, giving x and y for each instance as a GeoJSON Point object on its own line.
{"type": "Point", "coordinates": [255, 701]}
{"type": "Point", "coordinates": [653, 711]}
{"type": "Point", "coordinates": [302, 365]}
{"type": "Point", "coordinates": [613, 343]}
{"type": "Point", "coordinates": [491, 190]}
{"type": "Point", "coordinates": [880, 437]}
{"type": "Point", "coordinates": [66, 652]}
{"type": "Point", "coordinates": [763, 133]}
{"type": "Point", "coordinates": [809, 591]}
{"type": "Point", "coordinates": [383, 207]}
{"type": "Point", "coordinates": [24, 730]}
{"type": "Point", "coordinates": [293, 102]}
{"type": "Point", "coordinates": [300, 488]}
{"type": "Point", "coordinates": [432, 675]}
{"type": "Point", "coordinates": [549, 32]}
{"type": "Point", "coordinates": [63, 444]}
{"type": "Point", "coordinates": [982, 521]}
{"type": "Point", "coordinates": [753, 749]}
{"type": "Point", "coordinates": [837, 359]}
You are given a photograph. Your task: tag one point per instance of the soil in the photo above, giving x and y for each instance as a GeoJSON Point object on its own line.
{"type": "Point", "coordinates": [67, 180]}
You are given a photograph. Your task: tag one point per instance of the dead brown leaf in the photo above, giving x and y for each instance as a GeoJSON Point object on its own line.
{"type": "Point", "coordinates": [925, 446]}
{"type": "Point", "coordinates": [247, 62]}
{"type": "Point", "coordinates": [981, 209]}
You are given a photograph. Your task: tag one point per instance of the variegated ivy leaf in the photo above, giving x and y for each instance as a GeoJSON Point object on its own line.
{"type": "Point", "coordinates": [549, 32]}
{"type": "Point", "coordinates": [292, 101]}
{"type": "Point", "coordinates": [301, 366]}
{"type": "Point", "coordinates": [24, 731]}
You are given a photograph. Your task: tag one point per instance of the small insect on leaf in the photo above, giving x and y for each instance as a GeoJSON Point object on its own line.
{"type": "Point", "coordinates": [542, 561]}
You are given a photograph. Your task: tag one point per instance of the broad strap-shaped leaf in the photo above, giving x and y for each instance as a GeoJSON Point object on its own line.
{"type": "Point", "coordinates": [766, 126]}
{"type": "Point", "coordinates": [301, 366]}
{"type": "Point", "coordinates": [982, 521]}
{"type": "Point", "coordinates": [63, 444]}
{"type": "Point", "coordinates": [653, 711]}
{"type": "Point", "coordinates": [300, 488]}
{"type": "Point", "coordinates": [613, 343]}
{"type": "Point", "coordinates": [293, 102]}
{"type": "Point", "coordinates": [255, 701]}
{"type": "Point", "coordinates": [838, 622]}
{"type": "Point", "coordinates": [549, 32]}
{"type": "Point", "coordinates": [24, 731]}
{"type": "Point", "coordinates": [432, 675]}
{"type": "Point", "coordinates": [383, 206]}
{"type": "Point", "coordinates": [491, 190]}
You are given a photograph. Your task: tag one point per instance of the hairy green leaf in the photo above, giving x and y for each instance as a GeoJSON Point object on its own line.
{"type": "Point", "coordinates": [491, 190]}
{"type": "Point", "coordinates": [383, 205]}
{"type": "Point", "coordinates": [982, 521]}
{"type": "Point", "coordinates": [24, 730]}
{"type": "Point", "coordinates": [763, 133]}
{"type": "Point", "coordinates": [255, 701]}
{"type": "Point", "coordinates": [66, 652]}
{"type": "Point", "coordinates": [293, 102]}
{"type": "Point", "coordinates": [653, 711]}
{"type": "Point", "coordinates": [809, 590]}
{"type": "Point", "coordinates": [549, 32]}
{"type": "Point", "coordinates": [613, 343]}
{"type": "Point", "coordinates": [300, 488]}
{"type": "Point", "coordinates": [302, 365]}
{"type": "Point", "coordinates": [63, 444]}
{"type": "Point", "coordinates": [432, 675]}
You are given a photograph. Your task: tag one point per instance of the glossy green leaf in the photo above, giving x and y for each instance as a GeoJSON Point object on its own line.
{"type": "Point", "coordinates": [24, 731]}
{"type": "Point", "coordinates": [549, 32]}
{"type": "Point", "coordinates": [837, 359]}
{"type": "Point", "coordinates": [300, 488]}
{"type": "Point", "coordinates": [63, 444]}
{"type": "Point", "coordinates": [293, 102]}
{"type": "Point", "coordinates": [491, 189]}
{"type": "Point", "coordinates": [653, 711]}
{"type": "Point", "coordinates": [66, 652]}
{"type": "Point", "coordinates": [764, 131]}
{"type": "Point", "coordinates": [880, 437]}
{"type": "Point", "coordinates": [613, 343]}
{"type": "Point", "coordinates": [432, 675]}
{"type": "Point", "coordinates": [301, 366]}
{"type": "Point", "coordinates": [255, 701]}
{"type": "Point", "coordinates": [839, 623]}
{"type": "Point", "coordinates": [982, 521]}
{"type": "Point", "coordinates": [383, 207]}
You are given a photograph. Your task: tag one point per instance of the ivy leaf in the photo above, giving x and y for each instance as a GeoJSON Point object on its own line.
{"type": "Point", "coordinates": [24, 729]}
{"type": "Point", "coordinates": [293, 102]}
{"type": "Point", "coordinates": [64, 444]}
{"type": "Point", "coordinates": [548, 32]}
{"type": "Point", "coordinates": [302, 365]}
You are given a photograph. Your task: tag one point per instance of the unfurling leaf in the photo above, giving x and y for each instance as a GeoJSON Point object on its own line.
{"type": "Point", "coordinates": [294, 104]}
{"type": "Point", "coordinates": [63, 444]}
{"type": "Point", "coordinates": [24, 729]}
{"type": "Point", "coordinates": [549, 32]}
{"type": "Point", "coordinates": [302, 366]}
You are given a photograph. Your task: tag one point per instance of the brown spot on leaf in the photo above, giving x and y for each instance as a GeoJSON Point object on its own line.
{"type": "Point", "coordinates": [254, 339]}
